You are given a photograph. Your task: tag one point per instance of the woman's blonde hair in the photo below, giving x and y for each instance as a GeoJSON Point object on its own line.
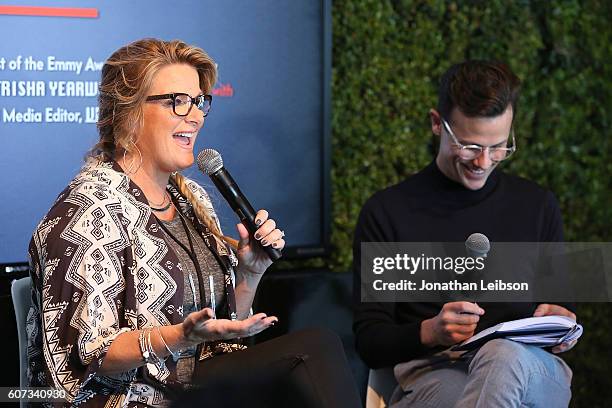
{"type": "Point", "coordinates": [127, 76]}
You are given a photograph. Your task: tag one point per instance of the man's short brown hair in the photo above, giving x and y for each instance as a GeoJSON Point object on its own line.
{"type": "Point", "coordinates": [478, 89]}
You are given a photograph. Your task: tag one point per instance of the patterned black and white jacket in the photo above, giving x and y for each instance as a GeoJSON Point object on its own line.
{"type": "Point", "coordinates": [101, 266]}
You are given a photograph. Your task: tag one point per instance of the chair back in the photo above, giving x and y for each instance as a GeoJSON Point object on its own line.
{"type": "Point", "coordinates": [21, 293]}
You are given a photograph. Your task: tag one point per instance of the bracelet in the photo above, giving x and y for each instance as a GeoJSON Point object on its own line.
{"type": "Point", "coordinates": [154, 358]}
{"type": "Point", "coordinates": [141, 345]}
{"type": "Point", "coordinates": [174, 354]}
{"type": "Point", "coordinates": [146, 349]}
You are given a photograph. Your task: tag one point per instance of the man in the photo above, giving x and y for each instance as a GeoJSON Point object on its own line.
{"type": "Point", "coordinates": [462, 192]}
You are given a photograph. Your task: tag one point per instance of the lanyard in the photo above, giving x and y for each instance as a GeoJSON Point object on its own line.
{"type": "Point", "coordinates": [192, 255]}
{"type": "Point", "coordinates": [225, 266]}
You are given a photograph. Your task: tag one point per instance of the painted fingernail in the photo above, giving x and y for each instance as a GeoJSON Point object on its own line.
{"type": "Point", "coordinates": [274, 245]}
{"type": "Point", "coordinates": [264, 242]}
{"type": "Point", "coordinates": [257, 236]}
{"type": "Point", "coordinates": [258, 222]}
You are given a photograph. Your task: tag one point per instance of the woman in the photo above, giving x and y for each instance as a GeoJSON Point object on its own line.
{"type": "Point", "coordinates": [134, 283]}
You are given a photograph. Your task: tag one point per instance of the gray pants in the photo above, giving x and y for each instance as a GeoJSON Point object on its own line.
{"type": "Point", "coordinates": [502, 373]}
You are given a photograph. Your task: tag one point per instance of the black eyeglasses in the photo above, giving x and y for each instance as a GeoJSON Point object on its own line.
{"type": "Point", "coordinates": [182, 102]}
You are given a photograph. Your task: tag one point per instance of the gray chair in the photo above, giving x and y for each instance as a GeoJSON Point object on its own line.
{"type": "Point", "coordinates": [381, 384]}
{"type": "Point", "coordinates": [22, 299]}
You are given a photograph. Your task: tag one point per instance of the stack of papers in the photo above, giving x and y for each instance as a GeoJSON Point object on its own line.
{"type": "Point", "coordinates": [545, 331]}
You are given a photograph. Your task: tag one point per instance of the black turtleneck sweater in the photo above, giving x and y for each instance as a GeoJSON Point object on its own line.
{"type": "Point", "coordinates": [429, 207]}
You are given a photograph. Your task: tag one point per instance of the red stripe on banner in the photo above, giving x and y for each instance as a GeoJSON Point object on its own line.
{"type": "Point", "coordinates": [49, 11]}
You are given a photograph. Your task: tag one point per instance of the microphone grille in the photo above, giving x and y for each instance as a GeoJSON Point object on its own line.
{"type": "Point", "coordinates": [478, 243]}
{"type": "Point", "coordinates": [209, 161]}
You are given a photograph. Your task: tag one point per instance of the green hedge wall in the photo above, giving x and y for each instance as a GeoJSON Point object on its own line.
{"type": "Point", "coordinates": [387, 58]}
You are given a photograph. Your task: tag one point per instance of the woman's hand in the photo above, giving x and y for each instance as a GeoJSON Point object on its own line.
{"type": "Point", "coordinates": [200, 326]}
{"type": "Point", "coordinates": [251, 256]}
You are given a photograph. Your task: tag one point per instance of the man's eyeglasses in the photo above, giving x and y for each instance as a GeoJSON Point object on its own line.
{"type": "Point", "coordinates": [470, 152]}
{"type": "Point", "coordinates": [182, 102]}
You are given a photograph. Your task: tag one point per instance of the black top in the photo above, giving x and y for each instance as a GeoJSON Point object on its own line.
{"type": "Point", "coordinates": [429, 207]}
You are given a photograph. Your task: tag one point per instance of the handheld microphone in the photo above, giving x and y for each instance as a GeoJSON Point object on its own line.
{"type": "Point", "coordinates": [211, 163]}
{"type": "Point", "coordinates": [477, 245]}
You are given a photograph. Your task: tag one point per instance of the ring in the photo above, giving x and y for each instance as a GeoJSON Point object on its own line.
{"type": "Point", "coordinates": [282, 233]}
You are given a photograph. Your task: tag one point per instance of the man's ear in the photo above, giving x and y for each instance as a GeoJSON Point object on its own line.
{"type": "Point", "coordinates": [436, 131]}
{"type": "Point", "coordinates": [436, 122]}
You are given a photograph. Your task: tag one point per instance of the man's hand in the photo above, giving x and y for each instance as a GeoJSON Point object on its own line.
{"type": "Point", "coordinates": [546, 309]}
{"type": "Point", "coordinates": [455, 322]}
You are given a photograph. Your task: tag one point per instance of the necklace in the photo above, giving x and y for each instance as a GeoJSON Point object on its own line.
{"type": "Point", "coordinates": [163, 207]}
{"type": "Point", "coordinates": [225, 266]}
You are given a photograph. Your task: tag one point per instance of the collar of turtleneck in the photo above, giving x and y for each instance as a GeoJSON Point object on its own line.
{"type": "Point", "coordinates": [453, 192]}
